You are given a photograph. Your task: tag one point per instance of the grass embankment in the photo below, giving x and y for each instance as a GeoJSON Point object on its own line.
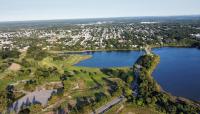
{"type": "Point", "coordinates": [69, 61]}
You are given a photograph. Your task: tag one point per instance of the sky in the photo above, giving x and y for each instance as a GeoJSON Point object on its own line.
{"type": "Point", "coordinates": [20, 10]}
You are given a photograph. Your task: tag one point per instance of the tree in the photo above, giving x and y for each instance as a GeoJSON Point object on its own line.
{"type": "Point", "coordinates": [128, 92]}
{"type": "Point", "coordinates": [129, 79]}
{"type": "Point", "coordinates": [140, 102]}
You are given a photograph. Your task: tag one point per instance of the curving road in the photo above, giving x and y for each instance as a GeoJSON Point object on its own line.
{"type": "Point", "coordinates": [106, 107]}
{"type": "Point", "coordinates": [134, 84]}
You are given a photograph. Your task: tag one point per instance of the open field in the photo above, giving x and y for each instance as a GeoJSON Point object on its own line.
{"type": "Point", "coordinates": [55, 71]}
{"type": "Point", "coordinates": [131, 109]}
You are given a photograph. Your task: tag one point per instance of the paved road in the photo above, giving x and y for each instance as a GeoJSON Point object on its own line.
{"type": "Point", "coordinates": [104, 108]}
{"type": "Point", "coordinates": [134, 85]}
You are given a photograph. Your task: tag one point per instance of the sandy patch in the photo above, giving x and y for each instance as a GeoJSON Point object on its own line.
{"type": "Point", "coordinates": [14, 67]}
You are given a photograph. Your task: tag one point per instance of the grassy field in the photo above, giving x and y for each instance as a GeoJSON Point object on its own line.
{"type": "Point", "coordinates": [61, 65]}
{"type": "Point", "coordinates": [131, 109]}
{"type": "Point", "coordinates": [81, 82]}
{"type": "Point", "coordinates": [9, 77]}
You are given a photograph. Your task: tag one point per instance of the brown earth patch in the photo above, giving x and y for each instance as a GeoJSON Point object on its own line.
{"type": "Point", "coordinates": [14, 67]}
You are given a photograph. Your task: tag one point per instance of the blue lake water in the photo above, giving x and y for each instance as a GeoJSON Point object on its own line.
{"type": "Point", "coordinates": [178, 72]}
{"type": "Point", "coordinates": [105, 59]}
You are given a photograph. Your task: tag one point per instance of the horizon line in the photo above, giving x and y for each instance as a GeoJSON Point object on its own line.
{"type": "Point", "coordinates": [85, 18]}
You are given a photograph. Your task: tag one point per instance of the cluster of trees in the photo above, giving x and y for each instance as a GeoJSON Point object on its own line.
{"type": "Point", "coordinates": [25, 63]}
{"type": "Point", "coordinates": [148, 62]}
{"type": "Point", "coordinates": [126, 76]}
{"type": "Point", "coordinates": [196, 45]}
{"type": "Point", "coordinates": [4, 66]}
{"type": "Point", "coordinates": [23, 72]}
{"type": "Point", "coordinates": [8, 53]}
{"type": "Point", "coordinates": [150, 94]}
{"type": "Point", "coordinates": [30, 85]}
{"type": "Point", "coordinates": [84, 104]}
{"type": "Point", "coordinates": [44, 72]}
{"type": "Point", "coordinates": [36, 53]}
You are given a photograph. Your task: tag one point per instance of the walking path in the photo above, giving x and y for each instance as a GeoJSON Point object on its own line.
{"type": "Point", "coordinates": [106, 107]}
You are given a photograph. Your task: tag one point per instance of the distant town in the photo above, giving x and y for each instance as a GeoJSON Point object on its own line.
{"type": "Point", "coordinates": [102, 35]}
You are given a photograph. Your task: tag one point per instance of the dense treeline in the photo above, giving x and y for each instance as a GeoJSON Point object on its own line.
{"type": "Point", "coordinates": [150, 94]}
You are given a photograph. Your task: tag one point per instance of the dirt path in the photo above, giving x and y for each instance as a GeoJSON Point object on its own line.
{"type": "Point", "coordinates": [14, 67]}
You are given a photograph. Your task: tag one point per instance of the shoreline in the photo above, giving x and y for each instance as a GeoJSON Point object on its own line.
{"type": "Point", "coordinates": [152, 70]}
{"type": "Point", "coordinates": [172, 97]}
{"type": "Point", "coordinates": [107, 50]}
